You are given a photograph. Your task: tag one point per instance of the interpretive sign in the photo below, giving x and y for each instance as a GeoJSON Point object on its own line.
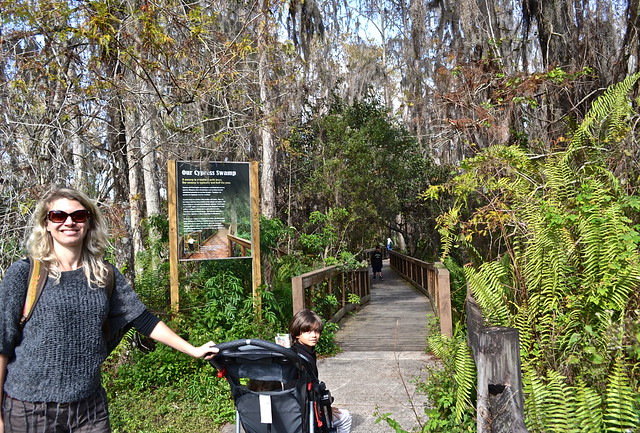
{"type": "Point", "coordinates": [214, 208]}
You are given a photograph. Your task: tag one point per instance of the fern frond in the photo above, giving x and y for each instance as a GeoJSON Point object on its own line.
{"type": "Point", "coordinates": [547, 269]}
{"type": "Point", "coordinates": [458, 360]}
{"type": "Point", "coordinates": [465, 379]}
{"type": "Point", "coordinates": [523, 322]}
{"type": "Point", "coordinates": [549, 245]}
{"type": "Point", "coordinates": [612, 105]}
{"type": "Point", "coordinates": [559, 406]}
{"type": "Point", "coordinates": [619, 415]}
{"type": "Point", "coordinates": [535, 394]}
{"type": "Point", "coordinates": [588, 408]}
{"type": "Point", "coordinates": [550, 403]}
{"type": "Point", "coordinates": [610, 269]}
{"type": "Point", "coordinates": [561, 181]}
{"type": "Point", "coordinates": [447, 227]}
{"type": "Point", "coordinates": [439, 345]}
{"type": "Point", "coordinates": [488, 287]}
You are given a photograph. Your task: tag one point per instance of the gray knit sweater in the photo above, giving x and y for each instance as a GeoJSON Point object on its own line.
{"type": "Point", "coordinates": [58, 354]}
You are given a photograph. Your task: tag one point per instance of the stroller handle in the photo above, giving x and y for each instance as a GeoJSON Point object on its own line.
{"type": "Point", "coordinates": [236, 344]}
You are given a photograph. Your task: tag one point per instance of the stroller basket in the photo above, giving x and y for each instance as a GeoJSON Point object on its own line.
{"type": "Point", "coordinates": [269, 385]}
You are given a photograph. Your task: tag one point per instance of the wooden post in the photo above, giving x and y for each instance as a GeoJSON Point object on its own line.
{"type": "Point", "coordinates": [297, 294]}
{"type": "Point", "coordinates": [506, 413]}
{"type": "Point", "coordinates": [172, 192]}
{"type": "Point", "coordinates": [498, 365]}
{"type": "Point", "coordinates": [254, 181]}
{"type": "Point", "coordinates": [496, 350]}
{"type": "Point", "coordinates": [443, 292]}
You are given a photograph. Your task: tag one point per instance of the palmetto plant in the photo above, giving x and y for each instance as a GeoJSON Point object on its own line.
{"type": "Point", "coordinates": [555, 255]}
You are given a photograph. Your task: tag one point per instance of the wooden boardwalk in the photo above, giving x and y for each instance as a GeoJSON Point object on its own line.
{"type": "Point", "coordinates": [395, 319]}
{"type": "Point", "coordinates": [383, 353]}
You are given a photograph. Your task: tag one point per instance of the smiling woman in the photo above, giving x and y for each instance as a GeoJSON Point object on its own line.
{"type": "Point", "coordinates": [50, 364]}
{"type": "Point", "coordinates": [55, 239]}
{"type": "Point", "coordinates": [67, 224]}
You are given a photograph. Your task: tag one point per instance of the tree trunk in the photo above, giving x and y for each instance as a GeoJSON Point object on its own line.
{"type": "Point", "coordinates": [124, 245]}
{"type": "Point", "coordinates": [80, 178]}
{"type": "Point", "coordinates": [631, 44]}
{"type": "Point", "coordinates": [496, 351]}
{"type": "Point", "coordinates": [148, 144]}
{"type": "Point", "coordinates": [135, 192]}
{"type": "Point", "coordinates": [555, 30]}
{"type": "Point", "coordinates": [401, 244]}
{"type": "Point", "coordinates": [268, 184]}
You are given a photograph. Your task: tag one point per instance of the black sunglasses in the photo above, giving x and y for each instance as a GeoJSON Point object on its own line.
{"type": "Point", "coordinates": [60, 216]}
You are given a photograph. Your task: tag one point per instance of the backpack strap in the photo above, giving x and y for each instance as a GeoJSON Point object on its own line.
{"type": "Point", "coordinates": [110, 280]}
{"type": "Point", "coordinates": [37, 278]}
{"type": "Point", "coordinates": [38, 274]}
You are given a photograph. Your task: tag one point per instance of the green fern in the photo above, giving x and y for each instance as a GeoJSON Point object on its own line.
{"type": "Point", "coordinates": [523, 322]}
{"type": "Point", "coordinates": [620, 415]}
{"type": "Point", "coordinates": [458, 361]}
{"type": "Point", "coordinates": [554, 407]}
{"type": "Point", "coordinates": [588, 412]}
{"type": "Point", "coordinates": [606, 115]}
{"type": "Point", "coordinates": [464, 376]}
{"type": "Point", "coordinates": [536, 395]}
{"type": "Point", "coordinates": [567, 265]}
{"type": "Point", "coordinates": [438, 344]}
{"type": "Point", "coordinates": [559, 405]}
{"type": "Point", "coordinates": [488, 287]}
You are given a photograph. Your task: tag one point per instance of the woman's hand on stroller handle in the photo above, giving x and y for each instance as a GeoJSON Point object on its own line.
{"type": "Point", "coordinates": [206, 351]}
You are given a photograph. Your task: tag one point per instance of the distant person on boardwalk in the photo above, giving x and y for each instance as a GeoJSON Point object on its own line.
{"type": "Point", "coordinates": [389, 246]}
{"type": "Point", "coordinates": [50, 378]}
{"type": "Point", "coordinates": [376, 262]}
{"type": "Point", "coordinates": [305, 330]}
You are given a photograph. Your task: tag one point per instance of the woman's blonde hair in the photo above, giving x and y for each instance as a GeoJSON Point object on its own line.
{"type": "Point", "coordinates": [96, 241]}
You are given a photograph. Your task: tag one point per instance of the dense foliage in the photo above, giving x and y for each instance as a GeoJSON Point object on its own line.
{"type": "Point", "coordinates": [360, 169]}
{"type": "Point", "coordinates": [352, 108]}
{"type": "Point", "coordinates": [154, 388]}
{"type": "Point", "coordinates": [554, 251]}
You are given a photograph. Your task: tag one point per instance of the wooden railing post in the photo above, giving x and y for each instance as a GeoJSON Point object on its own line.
{"type": "Point", "coordinates": [297, 294]}
{"type": "Point", "coordinates": [496, 351]}
{"type": "Point", "coordinates": [443, 293]}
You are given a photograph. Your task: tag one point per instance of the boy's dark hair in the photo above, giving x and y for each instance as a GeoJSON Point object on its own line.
{"type": "Point", "coordinates": [303, 321]}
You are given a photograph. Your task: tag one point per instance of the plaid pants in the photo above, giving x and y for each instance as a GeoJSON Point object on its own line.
{"type": "Point", "coordinates": [85, 416]}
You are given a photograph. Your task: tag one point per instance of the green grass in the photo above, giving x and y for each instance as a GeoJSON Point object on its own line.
{"type": "Point", "coordinates": [172, 409]}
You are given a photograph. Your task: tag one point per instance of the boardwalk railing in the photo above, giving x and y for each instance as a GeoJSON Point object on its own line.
{"type": "Point", "coordinates": [330, 281]}
{"type": "Point", "coordinates": [430, 278]}
{"type": "Point", "coordinates": [243, 244]}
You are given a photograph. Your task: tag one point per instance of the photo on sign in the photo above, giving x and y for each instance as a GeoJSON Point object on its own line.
{"type": "Point", "coordinates": [214, 210]}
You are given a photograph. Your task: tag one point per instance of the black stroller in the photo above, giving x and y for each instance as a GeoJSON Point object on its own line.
{"type": "Point", "coordinates": [272, 388]}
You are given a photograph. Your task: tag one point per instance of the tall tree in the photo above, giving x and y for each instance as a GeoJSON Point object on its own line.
{"type": "Point", "coordinates": [267, 196]}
